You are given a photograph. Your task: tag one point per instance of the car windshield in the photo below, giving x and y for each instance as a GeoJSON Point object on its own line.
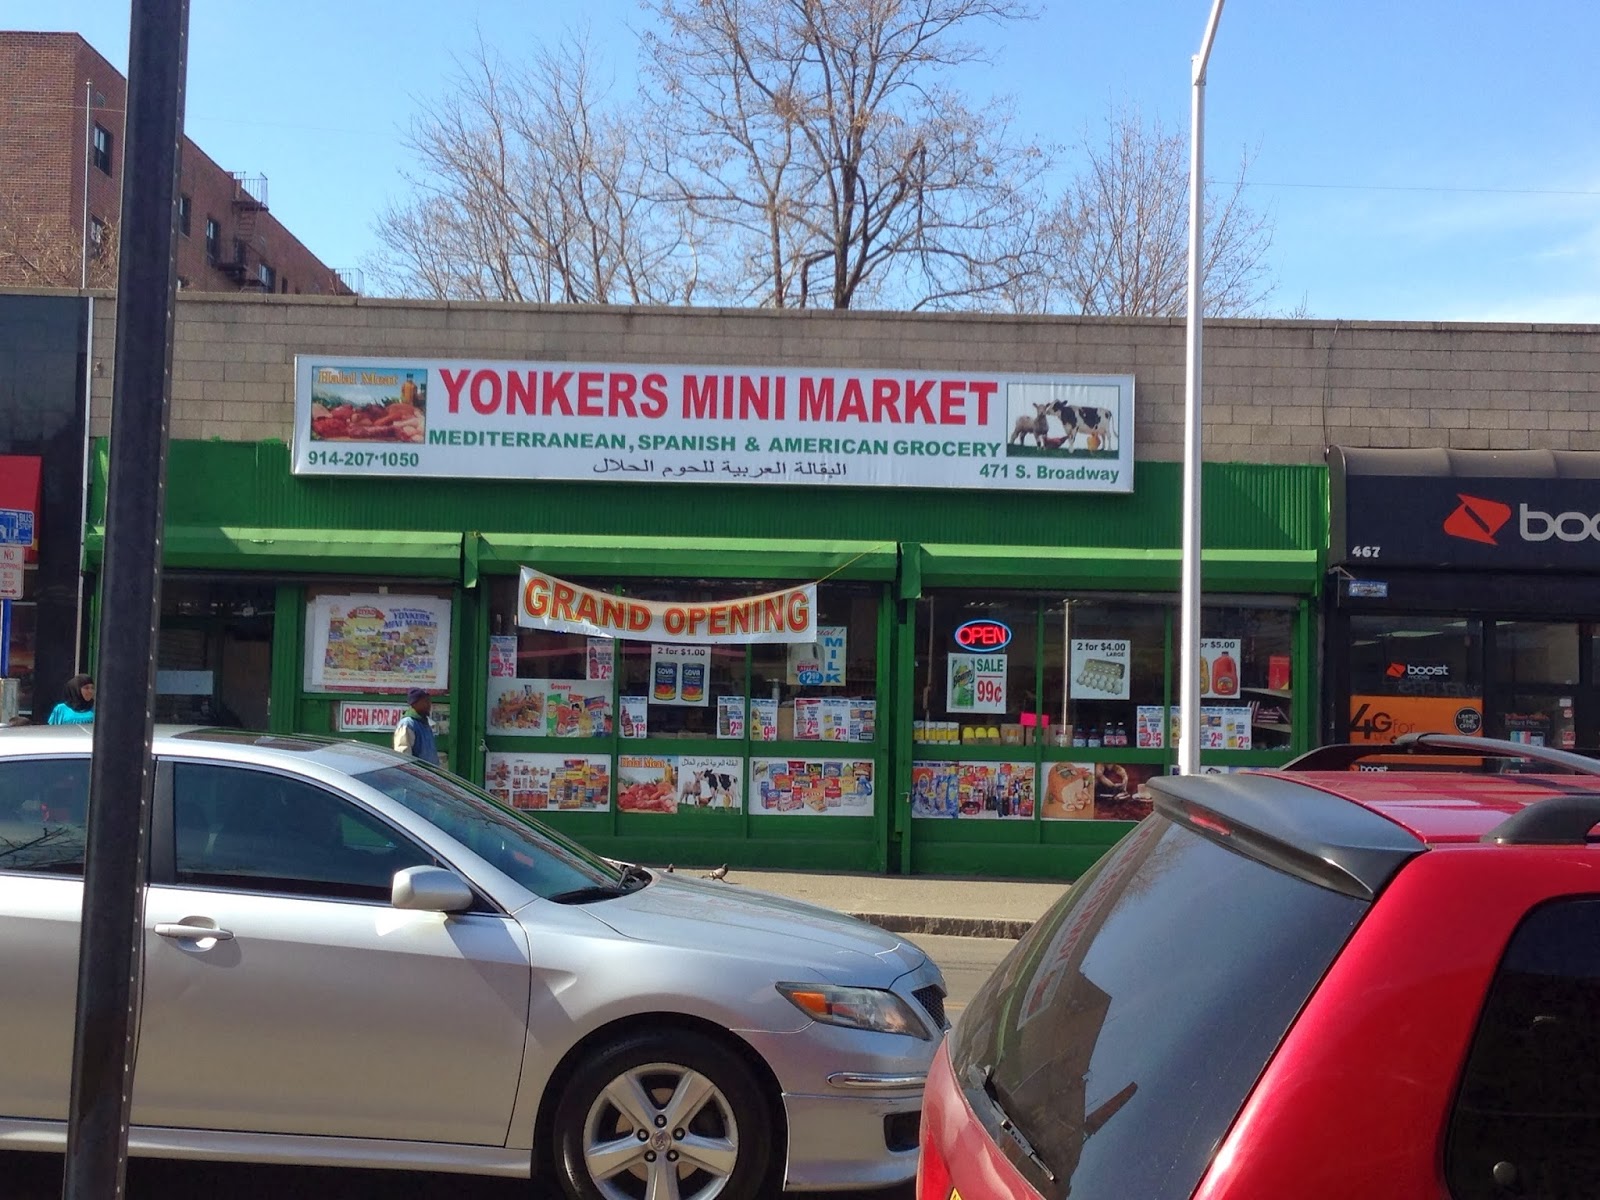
{"type": "Point", "coordinates": [538, 858]}
{"type": "Point", "coordinates": [1125, 1030]}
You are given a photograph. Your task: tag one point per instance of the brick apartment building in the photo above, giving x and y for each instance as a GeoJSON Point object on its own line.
{"type": "Point", "coordinates": [62, 106]}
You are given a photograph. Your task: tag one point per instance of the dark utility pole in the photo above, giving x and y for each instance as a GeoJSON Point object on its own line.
{"type": "Point", "coordinates": [111, 944]}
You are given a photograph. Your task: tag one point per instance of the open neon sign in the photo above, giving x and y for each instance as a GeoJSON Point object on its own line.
{"type": "Point", "coordinates": [983, 635]}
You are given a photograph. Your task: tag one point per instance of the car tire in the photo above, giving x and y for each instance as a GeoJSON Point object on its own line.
{"type": "Point", "coordinates": [719, 1142]}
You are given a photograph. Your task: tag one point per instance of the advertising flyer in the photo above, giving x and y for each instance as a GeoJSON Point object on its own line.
{"type": "Point", "coordinates": [635, 716]}
{"type": "Point", "coordinates": [1220, 728]}
{"type": "Point", "coordinates": [1219, 668]}
{"type": "Point", "coordinates": [599, 658]}
{"type": "Point", "coordinates": [503, 656]}
{"type": "Point", "coordinates": [377, 643]}
{"type": "Point", "coordinates": [807, 719]}
{"type": "Point", "coordinates": [647, 423]}
{"type": "Point", "coordinates": [680, 675]}
{"type": "Point", "coordinates": [1151, 727]}
{"type": "Point", "coordinates": [846, 720]}
{"type": "Point", "coordinates": [975, 683]}
{"type": "Point", "coordinates": [1086, 791]}
{"type": "Point", "coordinates": [993, 790]}
{"type": "Point", "coordinates": [823, 787]}
{"type": "Point", "coordinates": [1384, 718]}
{"type": "Point", "coordinates": [730, 716]}
{"type": "Point", "coordinates": [1100, 669]}
{"type": "Point", "coordinates": [763, 719]}
{"type": "Point", "coordinates": [820, 663]}
{"type": "Point", "coordinates": [670, 783]}
{"type": "Point", "coordinates": [549, 708]}
{"type": "Point", "coordinates": [564, 782]}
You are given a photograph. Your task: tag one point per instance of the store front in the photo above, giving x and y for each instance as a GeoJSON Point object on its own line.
{"type": "Point", "coordinates": [1465, 595]}
{"type": "Point", "coordinates": [983, 682]}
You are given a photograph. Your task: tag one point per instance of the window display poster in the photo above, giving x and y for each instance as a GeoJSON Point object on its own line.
{"type": "Point", "coordinates": [680, 675]}
{"type": "Point", "coordinates": [992, 790]}
{"type": "Point", "coordinates": [807, 719]}
{"type": "Point", "coordinates": [1220, 728]}
{"type": "Point", "coordinates": [503, 656]}
{"type": "Point", "coordinates": [599, 658]}
{"type": "Point", "coordinates": [565, 782]}
{"type": "Point", "coordinates": [763, 719]}
{"type": "Point", "coordinates": [549, 707]}
{"type": "Point", "coordinates": [1100, 668]}
{"type": "Point", "coordinates": [1219, 667]}
{"type": "Point", "coordinates": [730, 716]}
{"type": "Point", "coordinates": [635, 716]}
{"type": "Point", "coordinates": [811, 786]}
{"type": "Point", "coordinates": [820, 663]}
{"type": "Point", "coordinates": [975, 683]}
{"type": "Point", "coordinates": [1151, 727]}
{"type": "Point", "coordinates": [1086, 791]}
{"type": "Point", "coordinates": [670, 783]}
{"type": "Point", "coordinates": [377, 643]}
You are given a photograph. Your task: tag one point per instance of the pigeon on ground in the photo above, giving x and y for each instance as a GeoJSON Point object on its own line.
{"type": "Point", "coordinates": [669, 868]}
{"type": "Point", "coordinates": [720, 873]}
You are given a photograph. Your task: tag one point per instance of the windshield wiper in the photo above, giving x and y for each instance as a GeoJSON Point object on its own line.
{"type": "Point", "coordinates": [1008, 1126]}
{"type": "Point", "coordinates": [634, 873]}
{"type": "Point", "coordinates": [599, 891]}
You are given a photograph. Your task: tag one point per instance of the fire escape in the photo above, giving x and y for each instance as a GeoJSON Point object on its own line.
{"type": "Point", "coordinates": [249, 202]}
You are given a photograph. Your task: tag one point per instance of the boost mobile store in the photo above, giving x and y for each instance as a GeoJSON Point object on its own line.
{"type": "Point", "coordinates": [1464, 595]}
{"type": "Point", "coordinates": [844, 619]}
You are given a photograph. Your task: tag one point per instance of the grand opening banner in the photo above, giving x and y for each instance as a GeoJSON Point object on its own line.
{"type": "Point", "coordinates": [545, 602]}
{"type": "Point", "coordinates": [636, 422]}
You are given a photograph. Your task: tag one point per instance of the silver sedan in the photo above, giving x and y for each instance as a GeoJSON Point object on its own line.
{"type": "Point", "coordinates": [352, 958]}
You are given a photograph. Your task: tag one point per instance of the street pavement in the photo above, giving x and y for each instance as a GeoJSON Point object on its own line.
{"type": "Point", "coordinates": [966, 962]}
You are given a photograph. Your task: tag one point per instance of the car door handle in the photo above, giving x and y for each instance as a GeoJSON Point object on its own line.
{"type": "Point", "coordinates": [193, 933]}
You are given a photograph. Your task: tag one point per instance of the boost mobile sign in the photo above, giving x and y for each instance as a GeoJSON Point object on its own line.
{"type": "Point", "coordinates": [639, 422]}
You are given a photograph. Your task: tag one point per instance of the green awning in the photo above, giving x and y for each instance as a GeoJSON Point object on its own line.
{"type": "Point", "coordinates": [705, 558]}
{"type": "Point", "coordinates": [1121, 568]}
{"type": "Point", "coordinates": [335, 551]}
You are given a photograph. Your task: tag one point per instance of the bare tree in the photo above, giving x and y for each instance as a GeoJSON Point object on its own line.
{"type": "Point", "coordinates": [530, 189]}
{"type": "Point", "coordinates": [820, 139]}
{"type": "Point", "coordinates": [47, 250]}
{"type": "Point", "coordinates": [1117, 240]}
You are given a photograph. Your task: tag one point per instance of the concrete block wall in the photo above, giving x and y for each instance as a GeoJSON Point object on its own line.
{"type": "Point", "coordinates": [1275, 391]}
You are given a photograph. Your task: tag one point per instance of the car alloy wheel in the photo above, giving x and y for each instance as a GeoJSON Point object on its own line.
{"type": "Point", "coordinates": [664, 1117]}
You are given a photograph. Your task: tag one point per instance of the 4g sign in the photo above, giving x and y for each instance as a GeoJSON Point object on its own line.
{"type": "Point", "coordinates": [1382, 719]}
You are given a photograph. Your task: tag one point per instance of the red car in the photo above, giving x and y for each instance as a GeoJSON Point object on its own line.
{"type": "Point", "coordinates": [1320, 983]}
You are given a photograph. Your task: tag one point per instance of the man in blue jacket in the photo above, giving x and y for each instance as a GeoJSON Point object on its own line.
{"type": "Point", "coordinates": [413, 735]}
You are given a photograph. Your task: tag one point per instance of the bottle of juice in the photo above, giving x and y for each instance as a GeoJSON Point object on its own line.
{"type": "Point", "coordinates": [1225, 675]}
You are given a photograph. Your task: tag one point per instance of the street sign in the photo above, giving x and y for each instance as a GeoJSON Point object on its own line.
{"type": "Point", "coordinates": [16, 527]}
{"type": "Point", "coordinates": [11, 572]}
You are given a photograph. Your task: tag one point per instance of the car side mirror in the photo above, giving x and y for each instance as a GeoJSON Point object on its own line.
{"type": "Point", "coordinates": [431, 889]}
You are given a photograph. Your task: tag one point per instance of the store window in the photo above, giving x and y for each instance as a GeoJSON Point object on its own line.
{"type": "Point", "coordinates": [1413, 674]}
{"type": "Point", "coordinates": [1537, 678]}
{"type": "Point", "coordinates": [1104, 671]}
{"type": "Point", "coordinates": [214, 653]}
{"type": "Point", "coordinates": [977, 668]}
{"type": "Point", "coordinates": [1246, 677]}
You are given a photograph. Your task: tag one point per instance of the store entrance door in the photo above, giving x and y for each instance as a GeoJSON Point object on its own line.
{"type": "Point", "coordinates": [1544, 688]}
{"type": "Point", "coordinates": [214, 656]}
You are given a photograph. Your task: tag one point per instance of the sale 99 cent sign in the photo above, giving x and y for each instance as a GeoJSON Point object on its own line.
{"type": "Point", "coordinates": [639, 422]}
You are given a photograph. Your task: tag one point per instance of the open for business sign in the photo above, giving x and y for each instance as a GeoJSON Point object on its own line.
{"type": "Point", "coordinates": [641, 422]}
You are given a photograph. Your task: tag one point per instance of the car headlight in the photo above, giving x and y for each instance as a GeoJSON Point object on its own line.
{"type": "Point", "coordinates": [854, 1007]}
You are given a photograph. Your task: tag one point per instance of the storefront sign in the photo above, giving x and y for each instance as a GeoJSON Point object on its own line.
{"type": "Point", "coordinates": [355, 717]}
{"type": "Point", "coordinates": [377, 643]}
{"type": "Point", "coordinates": [975, 683]}
{"type": "Point", "coordinates": [1385, 718]}
{"type": "Point", "coordinates": [821, 787]}
{"type": "Point", "coordinates": [1100, 669]}
{"type": "Point", "coordinates": [987, 636]}
{"type": "Point", "coordinates": [1391, 521]}
{"type": "Point", "coordinates": [545, 602]}
{"type": "Point", "coordinates": [641, 423]}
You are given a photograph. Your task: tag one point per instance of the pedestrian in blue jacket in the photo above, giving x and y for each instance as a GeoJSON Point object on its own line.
{"type": "Point", "coordinates": [413, 735]}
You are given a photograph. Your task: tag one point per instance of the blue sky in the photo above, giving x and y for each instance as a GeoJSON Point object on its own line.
{"type": "Point", "coordinates": [1423, 159]}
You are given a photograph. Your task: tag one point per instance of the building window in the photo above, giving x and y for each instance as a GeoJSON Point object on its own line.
{"type": "Point", "coordinates": [213, 240]}
{"type": "Point", "coordinates": [184, 208]}
{"type": "Point", "coordinates": [102, 148]}
{"type": "Point", "coordinates": [97, 236]}
{"type": "Point", "coordinates": [267, 277]}
{"type": "Point", "coordinates": [283, 286]}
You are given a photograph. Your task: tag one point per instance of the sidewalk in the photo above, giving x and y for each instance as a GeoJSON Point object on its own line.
{"type": "Point", "coordinates": [998, 908]}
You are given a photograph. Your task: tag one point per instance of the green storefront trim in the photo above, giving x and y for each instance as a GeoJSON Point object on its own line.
{"type": "Point", "coordinates": [236, 508]}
